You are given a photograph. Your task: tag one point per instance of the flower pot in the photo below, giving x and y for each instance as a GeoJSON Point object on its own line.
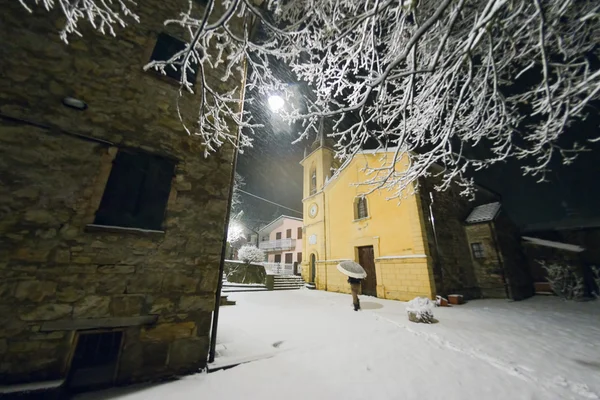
{"type": "Point", "coordinates": [455, 299]}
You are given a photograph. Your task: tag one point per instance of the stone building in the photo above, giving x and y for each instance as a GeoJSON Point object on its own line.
{"type": "Point", "coordinates": [111, 220]}
{"type": "Point", "coordinates": [430, 243]}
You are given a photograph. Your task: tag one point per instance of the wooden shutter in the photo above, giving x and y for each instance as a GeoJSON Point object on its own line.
{"type": "Point", "coordinates": [155, 193]}
{"type": "Point", "coordinates": [278, 236]}
{"type": "Point", "coordinates": [300, 233]}
{"type": "Point", "coordinates": [299, 257]}
{"type": "Point", "coordinates": [288, 234]}
{"type": "Point", "coordinates": [289, 258]}
{"type": "Point", "coordinates": [277, 258]}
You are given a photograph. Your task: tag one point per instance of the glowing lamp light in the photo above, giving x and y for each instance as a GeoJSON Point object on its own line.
{"type": "Point", "coordinates": [276, 102]}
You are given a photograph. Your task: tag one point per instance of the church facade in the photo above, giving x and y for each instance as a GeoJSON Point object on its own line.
{"type": "Point", "coordinates": [426, 244]}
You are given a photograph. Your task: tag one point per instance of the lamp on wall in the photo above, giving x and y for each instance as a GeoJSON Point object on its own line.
{"type": "Point", "coordinates": [77, 104]}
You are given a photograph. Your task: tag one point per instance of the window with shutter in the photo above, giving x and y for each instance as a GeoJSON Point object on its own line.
{"type": "Point", "coordinates": [278, 236]}
{"type": "Point", "coordinates": [300, 233]}
{"type": "Point", "coordinates": [137, 192]}
{"type": "Point", "coordinates": [360, 208]}
{"type": "Point", "coordinates": [299, 257]}
{"type": "Point", "coordinates": [166, 47]}
{"type": "Point", "coordinates": [288, 234]}
{"type": "Point", "coordinates": [289, 258]}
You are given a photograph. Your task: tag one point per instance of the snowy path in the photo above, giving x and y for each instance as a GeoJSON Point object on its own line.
{"type": "Point", "coordinates": [315, 347]}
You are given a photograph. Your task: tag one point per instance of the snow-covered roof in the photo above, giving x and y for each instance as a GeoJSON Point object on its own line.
{"type": "Point", "coordinates": [275, 223]}
{"type": "Point", "coordinates": [483, 213]}
{"type": "Point", "coordinates": [556, 245]}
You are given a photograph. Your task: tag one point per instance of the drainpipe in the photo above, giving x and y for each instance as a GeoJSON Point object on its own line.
{"type": "Point", "coordinates": [436, 259]}
{"type": "Point", "coordinates": [215, 319]}
{"type": "Point", "coordinates": [500, 261]}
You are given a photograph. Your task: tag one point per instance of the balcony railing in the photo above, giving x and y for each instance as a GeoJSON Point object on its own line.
{"type": "Point", "coordinates": [278, 245]}
{"type": "Point", "coordinates": [279, 268]}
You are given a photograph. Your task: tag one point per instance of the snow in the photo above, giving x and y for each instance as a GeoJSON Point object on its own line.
{"type": "Point", "coordinates": [31, 387]}
{"type": "Point", "coordinates": [312, 345]}
{"type": "Point", "coordinates": [556, 245]}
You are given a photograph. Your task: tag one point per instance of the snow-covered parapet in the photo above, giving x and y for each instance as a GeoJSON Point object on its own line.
{"type": "Point", "coordinates": [420, 309]}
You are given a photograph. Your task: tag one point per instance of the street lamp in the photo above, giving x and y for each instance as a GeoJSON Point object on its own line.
{"type": "Point", "coordinates": [276, 102]}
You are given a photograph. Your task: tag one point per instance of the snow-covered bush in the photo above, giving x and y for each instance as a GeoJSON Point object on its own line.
{"type": "Point", "coordinates": [564, 281]}
{"type": "Point", "coordinates": [251, 254]}
{"type": "Point", "coordinates": [596, 273]}
{"type": "Point", "coordinates": [420, 309]}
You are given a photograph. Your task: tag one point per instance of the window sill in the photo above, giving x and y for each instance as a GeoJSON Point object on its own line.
{"type": "Point", "coordinates": [362, 219]}
{"type": "Point", "coordinates": [121, 229]}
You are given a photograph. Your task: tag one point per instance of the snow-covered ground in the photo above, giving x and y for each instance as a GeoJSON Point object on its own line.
{"type": "Point", "coordinates": [312, 345]}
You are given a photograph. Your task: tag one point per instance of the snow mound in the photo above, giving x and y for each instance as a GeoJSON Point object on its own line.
{"type": "Point", "coordinates": [420, 309]}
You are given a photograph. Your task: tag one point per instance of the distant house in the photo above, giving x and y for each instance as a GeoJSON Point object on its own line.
{"type": "Point", "coordinates": [572, 241]}
{"type": "Point", "coordinates": [430, 243]}
{"type": "Point", "coordinates": [282, 241]}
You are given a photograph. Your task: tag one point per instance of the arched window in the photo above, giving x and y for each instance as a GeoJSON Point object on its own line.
{"type": "Point", "coordinates": [313, 180]}
{"type": "Point", "coordinates": [360, 208]}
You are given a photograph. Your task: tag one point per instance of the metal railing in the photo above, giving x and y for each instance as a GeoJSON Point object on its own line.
{"type": "Point", "coordinates": [276, 245]}
{"type": "Point", "coordinates": [278, 268]}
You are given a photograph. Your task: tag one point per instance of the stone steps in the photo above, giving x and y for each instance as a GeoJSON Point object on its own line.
{"type": "Point", "coordinates": [287, 282]}
{"type": "Point", "coordinates": [226, 302]}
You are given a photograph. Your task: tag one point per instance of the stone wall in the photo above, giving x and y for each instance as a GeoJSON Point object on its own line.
{"type": "Point", "coordinates": [56, 273]}
{"type": "Point", "coordinates": [452, 266]}
{"type": "Point", "coordinates": [489, 270]}
{"type": "Point", "coordinates": [239, 272]}
{"type": "Point", "coordinates": [518, 273]}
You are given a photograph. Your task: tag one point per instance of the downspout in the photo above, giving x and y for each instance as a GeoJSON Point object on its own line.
{"type": "Point", "coordinates": [437, 249]}
{"type": "Point", "coordinates": [500, 261]}
{"type": "Point", "coordinates": [215, 319]}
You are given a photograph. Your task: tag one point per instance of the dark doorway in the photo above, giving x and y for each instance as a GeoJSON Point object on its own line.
{"type": "Point", "coordinates": [366, 259]}
{"type": "Point", "coordinates": [313, 268]}
{"type": "Point", "coordinates": [95, 360]}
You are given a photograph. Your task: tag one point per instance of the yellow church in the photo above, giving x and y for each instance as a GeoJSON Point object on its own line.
{"type": "Point", "coordinates": [427, 244]}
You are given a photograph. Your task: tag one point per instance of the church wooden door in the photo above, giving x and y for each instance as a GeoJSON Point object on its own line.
{"type": "Point", "coordinates": [366, 259]}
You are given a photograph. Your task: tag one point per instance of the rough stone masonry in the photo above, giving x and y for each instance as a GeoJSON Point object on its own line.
{"type": "Point", "coordinates": [61, 275]}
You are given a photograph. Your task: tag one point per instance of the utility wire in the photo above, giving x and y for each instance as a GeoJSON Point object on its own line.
{"type": "Point", "coordinates": [269, 201]}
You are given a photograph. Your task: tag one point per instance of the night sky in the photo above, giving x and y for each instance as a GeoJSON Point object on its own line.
{"type": "Point", "coordinates": [271, 170]}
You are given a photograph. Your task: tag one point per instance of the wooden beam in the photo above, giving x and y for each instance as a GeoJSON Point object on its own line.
{"type": "Point", "coordinates": [97, 323]}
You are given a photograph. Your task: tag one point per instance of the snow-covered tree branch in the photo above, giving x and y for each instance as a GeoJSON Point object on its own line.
{"type": "Point", "coordinates": [461, 84]}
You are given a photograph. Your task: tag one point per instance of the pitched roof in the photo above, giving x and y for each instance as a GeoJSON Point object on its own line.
{"type": "Point", "coordinates": [276, 223]}
{"type": "Point", "coordinates": [483, 213]}
{"type": "Point", "coordinates": [556, 245]}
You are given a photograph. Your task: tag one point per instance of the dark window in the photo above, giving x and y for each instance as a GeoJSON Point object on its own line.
{"type": "Point", "coordinates": [313, 180]}
{"type": "Point", "coordinates": [278, 236]}
{"type": "Point", "coordinates": [277, 258]}
{"type": "Point", "coordinates": [300, 233]}
{"type": "Point", "coordinates": [299, 257]}
{"type": "Point", "coordinates": [289, 258]}
{"type": "Point", "coordinates": [288, 234]}
{"type": "Point", "coordinates": [165, 48]}
{"type": "Point", "coordinates": [361, 210]}
{"type": "Point", "coordinates": [478, 251]}
{"type": "Point", "coordinates": [137, 191]}
{"type": "Point", "coordinates": [95, 360]}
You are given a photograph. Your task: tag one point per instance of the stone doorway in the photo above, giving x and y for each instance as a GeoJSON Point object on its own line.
{"type": "Point", "coordinates": [95, 360]}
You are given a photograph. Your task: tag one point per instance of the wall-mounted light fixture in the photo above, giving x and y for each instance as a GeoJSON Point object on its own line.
{"type": "Point", "coordinates": [75, 103]}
